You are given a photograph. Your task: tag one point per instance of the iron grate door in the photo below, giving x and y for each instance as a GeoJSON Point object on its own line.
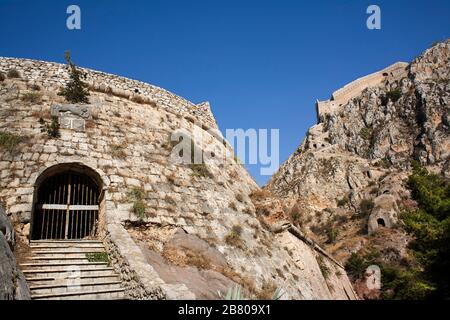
{"type": "Point", "coordinates": [67, 208]}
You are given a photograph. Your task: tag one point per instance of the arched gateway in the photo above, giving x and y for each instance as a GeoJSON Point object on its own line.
{"type": "Point", "coordinates": [66, 203]}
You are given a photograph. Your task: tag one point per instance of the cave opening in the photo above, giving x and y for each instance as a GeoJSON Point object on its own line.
{"type": "Point", "coordinates": [380, 222]}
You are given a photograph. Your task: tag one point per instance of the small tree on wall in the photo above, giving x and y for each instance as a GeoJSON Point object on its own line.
{"type": "Point", "coordinates": [76, 90]}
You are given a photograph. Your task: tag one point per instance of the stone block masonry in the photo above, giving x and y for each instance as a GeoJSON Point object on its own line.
{"type": "Point", "coordinates": [124, 144]}
{"type": "Point", "coordinates": [49, 74]}
{"type": "Point", "coordinates": [340, 97]}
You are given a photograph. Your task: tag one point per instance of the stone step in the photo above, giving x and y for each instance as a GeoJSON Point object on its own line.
{"type": "Point", "coordinates": [60, 270]}
{"type": "Point", "coordinates": [73, 285]}
{"type": "Point", "coordinates": [58, 273]}
{"type": "Point", "coordinates": [56, 264]}
{"type": "Point", "coordinates": [64, 251]}
{"type": "Point", "coordinates": [65, 241]}
{"type": "Point", "coordinates": [66, 245]}
{"type": "Point", "coordinates": [37, 281]}
{"type": "Point", "coordinates": [83, 295]}
{"type": "Point", "coordinates": [74, 259]}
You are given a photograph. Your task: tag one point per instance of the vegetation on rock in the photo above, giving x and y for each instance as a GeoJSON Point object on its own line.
{"type": "Point", "coordinates": [13, 73]}
{"type": "Point", "coordinates": [426, 276]}
{"type": "Point", "coordinates": [137, 196]}
{"type": "Point", "coordinates": [76, 90]}
{"type": "Point", "coordinates": [51, 129]}
{"type": "Point", "coordinates": [9, 141]}
{"type": "Point", "coordinates": [32, 97]}
{"type": "Point", "coordinates": [98, 257]}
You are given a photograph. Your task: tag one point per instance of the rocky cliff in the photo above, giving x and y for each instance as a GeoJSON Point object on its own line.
{"type": "Point", "coordinates": [13, 285]}
{"type": "Point", "coordinates": [346, 180]}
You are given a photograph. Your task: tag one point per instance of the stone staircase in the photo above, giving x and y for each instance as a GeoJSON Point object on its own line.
{"type": "Point", "coordinates": [61, 270]}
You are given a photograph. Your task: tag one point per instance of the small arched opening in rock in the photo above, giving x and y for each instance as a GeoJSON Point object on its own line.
{"type": "Point", "coordinates": [66, 203]}
{"type": "Point", "coordinates": [380, 222]}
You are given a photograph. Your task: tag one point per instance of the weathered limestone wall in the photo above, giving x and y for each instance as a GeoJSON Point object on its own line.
{"type": "Point", "coordinates": [127, 143]}
{"type": "Point", "coordinates": [49, 74]}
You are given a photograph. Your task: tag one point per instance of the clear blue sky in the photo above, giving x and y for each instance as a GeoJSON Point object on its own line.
{"type": "Point", "coordinates": [261, 64]}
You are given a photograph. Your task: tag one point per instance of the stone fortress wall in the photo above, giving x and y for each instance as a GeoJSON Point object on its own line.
{"type": "Point", "coordinates": [51, 74]}
{"type": "Point", "coordinates": [340, 97]}
{"type": "Point", "coordinates": [125, 142]}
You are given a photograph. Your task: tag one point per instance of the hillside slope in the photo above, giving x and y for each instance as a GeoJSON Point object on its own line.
{"type": "Point", "coordinates": [345, 184]}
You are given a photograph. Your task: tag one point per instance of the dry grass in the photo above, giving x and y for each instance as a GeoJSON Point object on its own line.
{"type": "Point", "coordinates": [9, 142]}
{"type": "Point", "coordinates": [260, 194]}
{"type": "Point", "coordinates": [32, 97]}
{"type": "Point", "coordinates": [200, 170]}
{"type": "Point", "coordinates": [117, 151]}
{"type": "Point", "coordinates": [240, 197]}
{"type": "Point", "coordinates": [267, 291]}
{"type": "Point", "coordinates": [13, 73]}
{"type": "Point", "coordinates": [233, 238]}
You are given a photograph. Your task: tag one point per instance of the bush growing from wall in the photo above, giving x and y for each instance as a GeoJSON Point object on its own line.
{"type": "Point", "coordinates": [9, 141]}
{"type": "Point", "coordinates": [76, 90]}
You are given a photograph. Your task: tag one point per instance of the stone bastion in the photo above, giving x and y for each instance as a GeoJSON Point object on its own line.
{"type": "Point", "coordinates": [122, 143]}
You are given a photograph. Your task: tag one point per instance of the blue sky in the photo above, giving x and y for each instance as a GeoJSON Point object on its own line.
{"type": "Point", "coordinates": [261, 64]}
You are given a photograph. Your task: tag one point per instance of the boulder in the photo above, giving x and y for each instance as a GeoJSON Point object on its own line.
{"type": "Point", "coordinates": [13, 285]}
{"type": "Point", "coordinates": [6, 227]}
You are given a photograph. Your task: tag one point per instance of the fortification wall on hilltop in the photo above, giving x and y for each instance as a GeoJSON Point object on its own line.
{"type": "Point", "coordinates": [50, 74]}
{"type": "Point", "coordinates": [340, 97]}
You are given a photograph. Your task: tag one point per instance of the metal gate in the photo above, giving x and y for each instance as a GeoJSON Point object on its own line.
{"type": "Point", "coordinates": [67, 207]}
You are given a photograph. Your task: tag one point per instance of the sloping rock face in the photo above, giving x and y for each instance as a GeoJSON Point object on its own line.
{"type": "Point", "coordinates": [346, 178]}
{"type": "Point", "coordinates": [13, 285]}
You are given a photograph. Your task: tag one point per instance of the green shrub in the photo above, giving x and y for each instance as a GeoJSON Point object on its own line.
{"type": "Point", "coordinates": [332, 233]}
{"type": "Point", "coordinates": [76, 90]}
{"type": "Point", "coordinates": [430, 225]}
{"type": "Point", "coordinates": [365, 207]}
{"type": "Point", "coordinates": [32, 97]}
{"type": "Point", "coordinates": [13, 73]}
{"type": "Point", "coordinates": [139, 209]}
{"type": "Point", "coordinates": [355, 266]}
{"type": "Point", "coordinates": [98, 257]}
{"type": "Point", "coordinates": [393, 95]}
{"type": "Point", "coordinates": [343, 202]}
{"type": "Point", "coordinates": [51, 129]}
{"type": "Point", "coordinates": [234, 236]}
{"type": "Point", "coordinates": [326, 272]}
{"type": "Point", "coordinates": [200, 170]}
{"type": "Point", "coordinates": [366, 133]}
{"type": "Point", "coordinates": [137, 195]}
{"type": "Point", "coordinates": [10, 141]}
{"type": "Point", "coordinates": [427, 276]}
{"type": "Point", "coordinates": [397, 282]}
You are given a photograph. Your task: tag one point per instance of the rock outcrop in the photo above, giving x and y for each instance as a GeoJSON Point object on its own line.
{"type": "Point", "coordinates": [13, 285]}
{"type": "Point", "coordinates": [346, 180]}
